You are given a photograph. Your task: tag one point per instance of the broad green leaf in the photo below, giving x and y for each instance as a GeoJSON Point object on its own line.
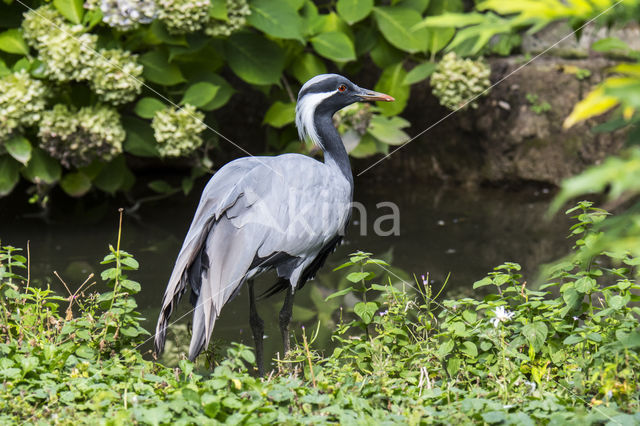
{"type": "Point", "coordinates": [470, 349]}
{"type": "Point", "coordinates": [70, 9]}
{"type": "Point", "coordinates": [224, 93]}
{"type": "Point", "coordinates": [389, 130]}
{"type": "Point", "coordinates": [453, 366]}
{"type": "Point", "coordinates": [585, 284]}
{"type": "Point", "coordinates": [307, 66]}
{"type": "Point", "coordinates": [158, 34]}
{"type": "Point", "coordinates": [356, 277]}
{"type": "Point", "coordinates": [255, 59]}
{"type": "Point", "coordinates": [42, 168]}
{"type": "Point", "coordinates": [353, 11]}
{"type": "Point", "coordinates": [9, 174]}
{"type": "Point", "coordinates": [365, 148]}
{"type": "Point", "coordinates": [339, 293]}
{"type": "Point", "coordinates": [596, 103]}
{"type": "Point", "coordinates": [335, 46]}
{"type": "Point", "coordinates": [392, 83]}
{"type": "Point", "coordinates": [200, 94]}
{"type": "Point", "coordinates": [4, 70]}
{"type": "Point", "coordinates": [157, 69]}
{"type": "Point", "coordinates": [385, 55]}
{"type": "Point", "coordinates": [11, 41]}
{"type": "Point", "coordinates": [218, 10]}
{"type": "Point", "coordinates": [396, 25]}
{"type": "Point", "coordinates": [147, 107]}
{"type": "Point", "coordinates": [417, 5]}
{"type": "Point", "coordinates": [75, 184]}
{"type": "Point", "coordinates": [420, 72]}
{"type": "Point", "coordinates": [536, 334]}
{"type": "Point", "coordinates": [437, 39]}
{"type": "Point", "coordinates": [573, 339]}
{"type": "Point", "coordinates": [19, 148]}
{"type": "Point", "coordinates": [113, 176]}
{"type": "Point", "coordinates": [280, 114]}
{"type": "Point", "coordinates": [139, 140]}
{"type": "Point", "coordinates": [276, 18]}
{"type": "Point", "coordinates": [160, 186]}
{"type": "Point", "coordinates": [365, 311]}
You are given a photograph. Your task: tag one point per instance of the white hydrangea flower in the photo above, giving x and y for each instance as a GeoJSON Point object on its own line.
{"type": "Point", "coordinates": [124, 15]}
{"type": "Point", "coordinates": [117, 76]}
{"type": "Point", "coordinates": [22, 101]}
{"type": "Point", "coordinates": [501, 315]}
{"type": "Point", "coordinates": [78, 138]}
{"type": "Point", "coordinates": [65, 49]}
{"type": "Point", "coordinates": [456, 81]}
{"type": "Point", "coordinates": [177, 131]}
{"type": "Point", "coordinates": [184, 16]}
{"type": "Point", "coordinates": [237, 12]}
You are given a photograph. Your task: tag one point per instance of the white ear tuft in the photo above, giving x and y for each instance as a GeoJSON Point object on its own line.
{"type": "Point", "coordinates": [305, 116]}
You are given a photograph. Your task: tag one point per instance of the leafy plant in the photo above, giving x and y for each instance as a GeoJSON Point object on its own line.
{"type": "Point", "coordinates": [537, 106]}
{"type": "Point", "coordinates": [143, 60]}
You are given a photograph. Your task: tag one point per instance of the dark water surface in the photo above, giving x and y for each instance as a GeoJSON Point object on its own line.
{"type": "Point", "coordinates": [458, 231]}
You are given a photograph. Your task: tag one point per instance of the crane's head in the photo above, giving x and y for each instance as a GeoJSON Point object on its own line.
{"type": "Point", "coordinates": [323, 96]}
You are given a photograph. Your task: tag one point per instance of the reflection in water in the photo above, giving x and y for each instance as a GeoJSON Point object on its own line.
{"type": "Point", "coordinates": [462, 232]}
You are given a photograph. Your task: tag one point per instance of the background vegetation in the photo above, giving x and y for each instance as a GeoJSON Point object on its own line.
{"type": "Point", "coordinates": [73, 116]}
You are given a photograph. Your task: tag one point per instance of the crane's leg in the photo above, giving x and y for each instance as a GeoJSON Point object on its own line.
{"type": "Point", "coordinates": [285, 318]}
{"type": "Point", "coordinates": [257, 327]}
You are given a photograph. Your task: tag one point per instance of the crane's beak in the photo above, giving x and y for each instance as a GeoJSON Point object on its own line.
{"type": "Point", "coordinates": [370, 95]}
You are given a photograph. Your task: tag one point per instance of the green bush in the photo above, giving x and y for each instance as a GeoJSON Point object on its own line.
{"type": "Point", "coordinates": [516, 355]}
{"type": "Point", "coordinates": [162, 65]}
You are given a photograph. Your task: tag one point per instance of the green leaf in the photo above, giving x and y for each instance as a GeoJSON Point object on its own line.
{"type": "Point", "coordinates": [224, 93]}
{"type": "Point", "coordinates": [139, 140]}
{"type": "Point", "coordinates": [365, 311]}
{"type": "Point", "coordinates": [307, 66]}
{"type": "Point", "coordinates": [42, 168]}
{"type": "Point", "coordinates": [113, 176]}
{"type": "Point", "coordinates": [356, 277]}
{"type": "Point", "coordinates": [160, 186]}
{"type": "Point", "coordinates": [396, 25]}
{"type": "Point", "coordinates": [585, 284]}
{"type": "Point", "coordinates": [157, 69]}
{"type": "Point", "coordinates": [573, 339]}
{"type": "Point", "coordinates": [365, 148]}
{"type": "Point", "coordinates": [200, 94]}
{"type": "Point", "coordinates": [470, 349]}
{"type": "Point", "coordinates": [11, 41]}
{"type": "Point", "coordinates": [334, 45]}
{"type": "Point", "coordinates": [9, 174]}
{"type": "Point", "coordinates": [420, 72]}
{"type": "Point", "coordinates": [392, 83]}
{"type": "Point", "coordinates": [276, 18]}
{"type": "Point", "coordinates": [70, 9]}
{"type": "Point", "coordinates": [280, 114]}
{"type": "Point", "coordinates": [255, 59]}
{"type": "Point", "coordinates": [147, 107]}
{"type": "Point", "coordinates": [610, 44]}
{"type": "Point", "coordinates": [85, 351]}
{"type": "Point", "coordinates": [353, 11]}
{"type": "Point", "coordinates": [76, 184]}
{"type": "Point", "coordinates": [19, 148]}
{"type": "Point", "coordinates": [536, 334]}
{"type": "Point", "coordinates": [339, 293]}
{"type": "Point", "coordinates": [388, 130]}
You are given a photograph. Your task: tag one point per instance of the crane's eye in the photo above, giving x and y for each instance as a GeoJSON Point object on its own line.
{"type": "Point", "coordinates": [342, 88]}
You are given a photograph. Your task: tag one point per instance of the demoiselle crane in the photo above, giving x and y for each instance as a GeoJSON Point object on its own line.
{"type": "Point", "coordinates": [284, 213]}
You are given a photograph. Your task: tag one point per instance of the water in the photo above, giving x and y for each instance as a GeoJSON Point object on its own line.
{"type": "Point", "coordinates": [464, 232]}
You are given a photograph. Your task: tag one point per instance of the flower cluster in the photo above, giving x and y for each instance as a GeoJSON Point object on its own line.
{"type": "Point", "coordinates": [76, 138]}
{"type": "Point", "coordinates": [64, 48]}
{"type": "Point", "coordinates": [124, 15]}
{"type": "Point", "coordinates": [22, 100]}
{"type": "Point", "coordinates": [184, 16]}
{"type": "Point", "coordinates": [177, 131]}
{"type": "Point", "coordinates": [237, 12]}
{"type": "Point", "coordinates": [501, 315]}
{"type": "Point", "coordinates": [117, 77]}
{"type": "Point", "coordinates": [456, 81]}
{"type": "Point", "coordinates": [354, 117]}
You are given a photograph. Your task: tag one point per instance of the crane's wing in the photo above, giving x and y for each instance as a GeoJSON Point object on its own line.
{"type": "Point", "coordinates": [255, 213]}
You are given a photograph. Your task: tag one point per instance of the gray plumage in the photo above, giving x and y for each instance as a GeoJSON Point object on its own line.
{"type": "Point", "coordinates": [258, 213]}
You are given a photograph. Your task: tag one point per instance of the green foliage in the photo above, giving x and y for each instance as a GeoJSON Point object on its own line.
{"type": "Point", "coordinates": [537, 106]}
{"type": "Point", "coordinates": [150, 56]}
{"type": "Point", "coordinates": [459, 82]}
{"type": "Point", "coordinates": [514, 355]}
